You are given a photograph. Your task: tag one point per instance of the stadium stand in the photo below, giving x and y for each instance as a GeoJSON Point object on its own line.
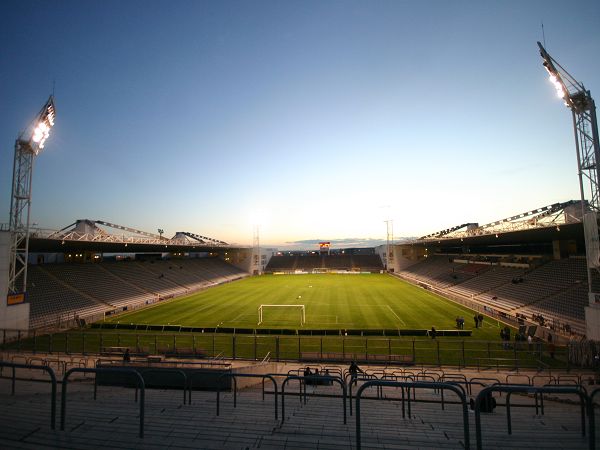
{"type": "Point", "coordinates": [52, 299]}
{"type": "Point", "coordinates": [430, 420]}
{"type": "Point", "coordinates": [92, 281]}
{"type": "Point", "coordinates": [555, 289]}
{"type": "Point", "coordinates": [308, 263]}
{"type": "Point", "coordinates": [494, 277]}
{"type": "Point", "coordinates": [440, 271]}
{"type": "Point", "coordinates": [60, 292]}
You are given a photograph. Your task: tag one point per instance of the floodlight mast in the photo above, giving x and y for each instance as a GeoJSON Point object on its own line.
{"type": "Point", "coordinates": [27, 146]}
{"type": "Point", "coordinates": [579, 100]}
{"type": "Point", "coordinates": [256, 250]}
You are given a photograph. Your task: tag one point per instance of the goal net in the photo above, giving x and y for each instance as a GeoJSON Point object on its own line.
{"type": "Point", "coordinates": [300, 308]}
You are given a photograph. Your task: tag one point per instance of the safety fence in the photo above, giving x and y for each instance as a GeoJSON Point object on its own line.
{"type": "Point", "coordinates": [456, 351]}
{"type": "Point", "coordinates": [410, 383]}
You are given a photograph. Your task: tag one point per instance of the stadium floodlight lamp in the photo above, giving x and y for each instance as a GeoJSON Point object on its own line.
{"type": "Point", "coordinates": [553, 74]}
{"type": "Point", "coordinates": [43, 124]}
{"type": "Point", "coordinates": [560, 92]}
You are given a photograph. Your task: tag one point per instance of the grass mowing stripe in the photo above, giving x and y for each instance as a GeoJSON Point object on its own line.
{"type": "Point", "coordinates": [358, 301]}
{"type": "Point", "coordinates": [397, 316]}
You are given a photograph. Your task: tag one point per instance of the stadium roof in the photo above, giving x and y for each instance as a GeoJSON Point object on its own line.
{"type": "Point", "coordinates": [572, 231]}
{"type": "Point", "coordinates": [99, 236]}
{"type": "Point", "coordinates": [552, 216]}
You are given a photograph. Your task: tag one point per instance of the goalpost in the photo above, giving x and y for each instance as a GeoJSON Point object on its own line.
{"type": "Point", "coordinates": [301, 307]}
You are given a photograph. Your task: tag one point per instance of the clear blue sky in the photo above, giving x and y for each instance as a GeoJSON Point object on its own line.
{"type": "Point", "coordinates": [324, 118]}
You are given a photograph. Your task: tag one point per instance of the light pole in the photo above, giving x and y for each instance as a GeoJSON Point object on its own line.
{"type": "Point", "coordinates": [579, 100]}
{"type": "Point", "coordinates": [27, 146]}
{"type": "Point", "coordinates": [389, 224]}
{"type": "Point", "coordinates": [256, 246]}
{"type": "Point", "coordinates": [585, 125]}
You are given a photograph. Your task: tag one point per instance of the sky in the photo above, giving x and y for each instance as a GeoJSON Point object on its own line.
{"type": "Point", "coordinates": [313, 120]}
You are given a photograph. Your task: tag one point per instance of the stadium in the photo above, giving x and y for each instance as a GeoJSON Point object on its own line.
{"type": "Point", "coordinates": [480, 335]}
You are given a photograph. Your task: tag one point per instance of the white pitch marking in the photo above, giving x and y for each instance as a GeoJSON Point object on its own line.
{"type": "Point", "coordinates": [397, 316]}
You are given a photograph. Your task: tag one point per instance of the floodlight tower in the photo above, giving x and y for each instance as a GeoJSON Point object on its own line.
{"type": "Point", "coordinates": [579, 100]}
{"type": "Point", "coordinates": [583, 109]}
{"type": "Point", "coordinates": [27, 146]}
{"type": "Point", "coordinates": [256, 247]}
{"type": "Point", "coordinates": [389, 224]}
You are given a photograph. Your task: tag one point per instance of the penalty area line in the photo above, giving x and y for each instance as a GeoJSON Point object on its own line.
{"type": "Point", "coordinates": [397, 316]}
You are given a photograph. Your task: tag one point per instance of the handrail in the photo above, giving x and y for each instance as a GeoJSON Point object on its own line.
{"type": "Point", "coordinates": [480, 379]}
{"type": "Point", "coordinates": [62, 365]}
{"type": "Point", "coordinates": [355, 380]}
{"type": "Point", "coordinates": [575, 378]}
{"type": "Point", "coordinates": [420, 384]}
{"type": "Point", "coordinates": [244, 375]}
{"type": "Point", "coordinates": [509, 389]}
{"type": "Point", "coordinates": [542, 365]}
{"type": "Point", "coordinates": [266, 359]}
{"type": "Point", "coordinates": [303, 379]}
{"type": "Point", "coordinates": [195, 374]}
{"type": "Point", "coordinates": [550, 378]}
{"type": "Point", "coordinates": [52, 378]}
{"type": "Point", "coordinates": [498, 360]}
{"type": "Point", "coordinates": [135, 373]}
{"type": "Point", "coordinates": [205, 364]}
{"type": "Point", "coordinates": [518, 375]}
{"type": "Point", "coordinates": [592, 413]}
{"type": "Point", "coordinates": [176, 371]}
{"type": "Point", "coordinates": [456, 378]}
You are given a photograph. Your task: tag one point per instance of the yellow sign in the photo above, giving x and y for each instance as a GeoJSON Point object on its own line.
{"type": "Point", "coordinates": [15, 299]}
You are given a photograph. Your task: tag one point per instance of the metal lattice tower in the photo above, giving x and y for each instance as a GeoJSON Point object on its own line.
{"type": "Point", "coordinates": [389, 256]}
{"type": "Point", "coordinates": [579, 100]}
{"type": "Point", "coordinates": [20, 205]}
{"type": "Point", "coordinates": [257, 261]}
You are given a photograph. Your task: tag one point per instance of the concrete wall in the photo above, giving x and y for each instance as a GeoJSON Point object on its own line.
{"type": "Point", "coordinates": [406, 255]}
{"type": "Point", "coordinates": [257, 369]}
{"type": "Point", "coordinates": [13, 317]}
{"type": "Point", "coordinates": [244, 258]}
{"type": "Point", "coordinates": [239, 257]}
{"type": "Point", "coordinates": [592, 322]}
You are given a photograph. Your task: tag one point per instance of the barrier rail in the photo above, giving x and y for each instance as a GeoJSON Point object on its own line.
{"type": "Point", "coordinates": [417, 385]}
{"type": "Point", "coordinates": [52, 378]}
{"type": "Point", "coordinates": [536, 390]}
{"type": "Point", "coordinates": [137, 376]}
{"type": "Point", "coordinates": [354, 380]}
{"type": "Point", "coordinates": [521, 375]}
{"type": "Point", "coordinates": [592, 412]}
{"type": "Point", "coordinates": [244, 375]}
{"type": "Point", "coordinates": [385, 349]}
{"type": "Point", "coordinates": [145, 372]}
{"type": "Point", "coordinates": [302, 379]}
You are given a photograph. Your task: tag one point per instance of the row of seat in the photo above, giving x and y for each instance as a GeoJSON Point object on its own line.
{"type": "Point", "coordinates": [310, 262]}
{"type": "Point", "coordinates": [112, 420]}
{"type": "Point", "coordinates": [556, 289]}
{"type": "Point", "coordinates": [61, 292]}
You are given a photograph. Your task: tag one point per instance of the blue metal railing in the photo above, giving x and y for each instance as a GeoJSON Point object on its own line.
{"type": "Point", "coordinates": [132, 372]}
{"type": "Point", "coordinates": [458, 390]}
{"type": "Point", "coordinates": [318, 378]}
{"type": "Point", "coordinates": [536, 391]}
{"type": "Point", "coordinates": [52, 378]}
{"type": "Point", "coordinates": [233, 376]}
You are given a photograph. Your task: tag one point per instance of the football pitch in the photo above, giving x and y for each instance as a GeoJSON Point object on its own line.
{"type": "Point", "coordinates": [366, 301]}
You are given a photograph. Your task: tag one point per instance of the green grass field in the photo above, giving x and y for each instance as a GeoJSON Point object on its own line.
{"type": "Point", "coordinates": [368, 301]}
{"type": "Point", "coordinates": [332, 302]}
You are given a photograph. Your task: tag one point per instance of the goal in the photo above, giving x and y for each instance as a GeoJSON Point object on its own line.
{"type": "Point", "coordinates": [298, 307]}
